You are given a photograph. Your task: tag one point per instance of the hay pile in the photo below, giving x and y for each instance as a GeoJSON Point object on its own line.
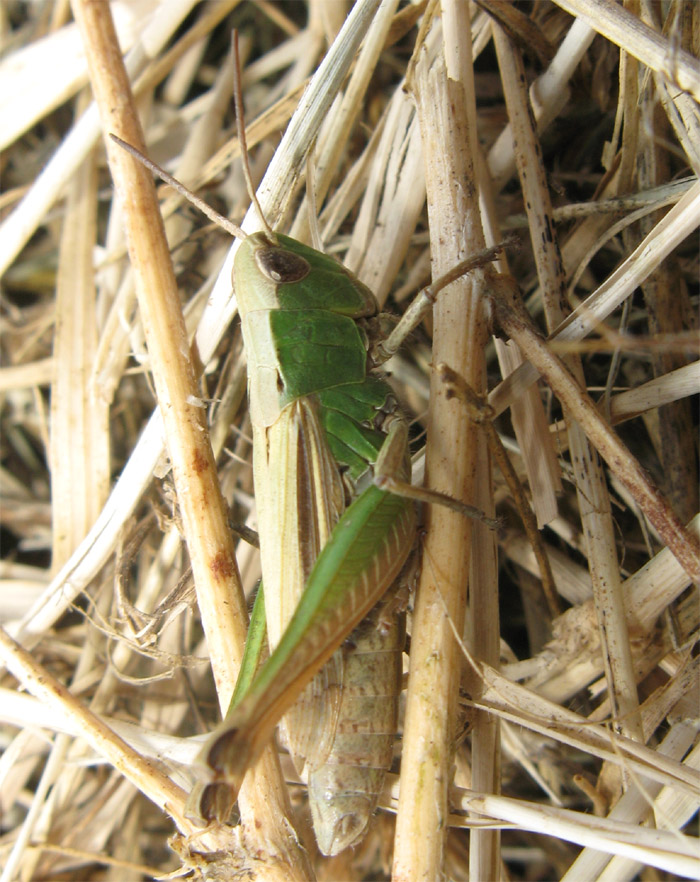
{"type": "Point", "coordinates": [551, 707]}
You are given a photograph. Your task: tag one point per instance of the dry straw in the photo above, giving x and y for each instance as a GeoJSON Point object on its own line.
{"type": "Point", "coordinates": [535, 743]}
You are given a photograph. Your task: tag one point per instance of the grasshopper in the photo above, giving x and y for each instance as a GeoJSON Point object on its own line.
{"type": "Point", "coordinates": [331, 467]}
{"type": "Point", "coordinates": [323, 425]}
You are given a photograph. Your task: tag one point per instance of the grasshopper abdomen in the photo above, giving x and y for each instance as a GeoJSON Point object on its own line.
{"type": "Point", "coordinates": [344, 788]}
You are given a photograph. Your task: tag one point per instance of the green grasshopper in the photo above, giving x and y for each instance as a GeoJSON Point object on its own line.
{"type": "Point", "coordinates": [330, 451]}
{"type": "Point", "coordinates": [323, 424]}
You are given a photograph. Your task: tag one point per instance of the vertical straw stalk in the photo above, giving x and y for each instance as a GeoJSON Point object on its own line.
{"type": "Point", "coordinates": [442, 83]}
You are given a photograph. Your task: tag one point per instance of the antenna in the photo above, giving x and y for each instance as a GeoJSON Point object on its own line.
{"type": "Point", "coordinates": [197, 201]}
{"type": "Point", "coordinates": [240, 128]}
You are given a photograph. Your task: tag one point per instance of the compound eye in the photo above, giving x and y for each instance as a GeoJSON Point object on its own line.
{"type": "Point", "coordinates": [280, 265]}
